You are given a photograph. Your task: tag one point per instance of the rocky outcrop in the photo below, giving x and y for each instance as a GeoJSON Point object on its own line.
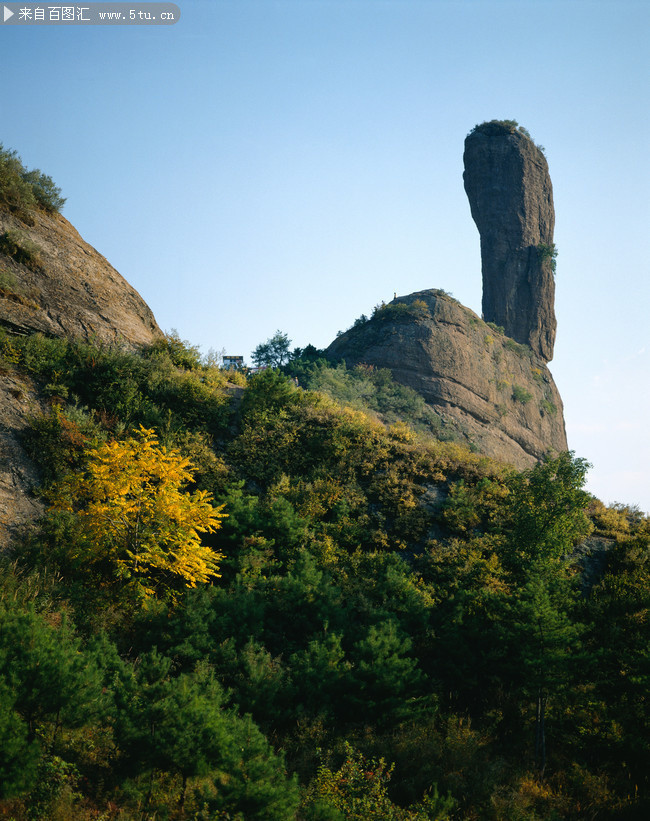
{"type": "Point", "coordinates": [53, 282]}
{"type": "Point", "coordinates": [497, 394]}
{"type": "Point", "coordinates": [18, 475]}
{"type": "Point", "coordinates": [511, 198]}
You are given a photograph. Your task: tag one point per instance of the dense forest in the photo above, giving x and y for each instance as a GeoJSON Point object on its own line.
{"type": "Point", "coordinates": [294, 596]}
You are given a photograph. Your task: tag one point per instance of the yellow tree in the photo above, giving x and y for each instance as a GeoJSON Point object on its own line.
{"type": "Point", "coordinates": [131, 504]}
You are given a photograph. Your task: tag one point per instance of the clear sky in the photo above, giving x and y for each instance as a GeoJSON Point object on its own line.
{"type": "Point", "coordinates": [288, 164]}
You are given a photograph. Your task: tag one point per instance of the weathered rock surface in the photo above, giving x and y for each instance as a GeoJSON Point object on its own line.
{"type": "Point", "coordinates": [67, 288]}
{"type": "Point", "coordinates": [18, 475]}
{"type": "Point", "coordinates": [498, 394]}
{"type": "Point", "coordinates": [53, 282]}
{"type": "Point", "coordinates": [511, 198]}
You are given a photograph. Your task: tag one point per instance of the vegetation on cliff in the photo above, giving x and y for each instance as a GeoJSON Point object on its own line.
{"type": "Point", "coordinates": [23, 191]}
{"type": "Point", "coordinates": [402, 629]}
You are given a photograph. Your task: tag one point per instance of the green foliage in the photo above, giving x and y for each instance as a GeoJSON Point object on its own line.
{"type": "Point", "coordinates": [56, 440]}
{"type": "Point", "coordinates": [47, 194]}
{"type": "Point", "coordinates": [396, 311]}
{"type": "Point", "coordinates": [55, 791]}
{"type": "Point", "coordinates": [179, 351]}
{"type": "Point", "coordinates": [520, 394]}
{"type": "Point", "coordinates": [15, 193]}
{"type": "Point", "coordinates": [548, 252]}
{"type": "Point", "coordinates": [497, 328]}
{"type": "Point", "coordinates": [517, 347]}
{"type": "Point", "coordinates": [274, 353]}
{"type": "Point", "coordinates": [497, 127]}
{"type": "Point", "coordinates": [379, 586]}
{"type": "Point", "coordinates": [22, 191]}
{"type": "Point", "coordinates": [547, 508]}
{"type": "Point", "coordinates": [18, 755]}
{"type": "Point", "coordinates": [385, 677]}
{"type": "Point", "coordinates": [34, 655]}
{"type": "Point", "coordinates": [123, 388]}
{"type": "Point", "coordinates": [20, 247]}
{"type": "Point", "coordinates": [8, 282]}
{"type": "Point", "coordinates": [548, 407]}
{"type": "Point", "coordinates": [358, 790]}
{"type": "Point", "coordinates": [374, 391]}
{"type": "Point", "coordinates": [181, 725]}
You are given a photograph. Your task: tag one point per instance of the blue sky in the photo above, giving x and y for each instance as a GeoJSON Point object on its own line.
{"type": "Point", "coordinates": [289, 164]}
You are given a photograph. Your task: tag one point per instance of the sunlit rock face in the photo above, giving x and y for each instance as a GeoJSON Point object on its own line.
{"type": "Point", "coordinates": [511, 198]}
{"type": "Point", "coordinates": [56, 283]}
{"type": "Point", "coordinates": [491, 393]}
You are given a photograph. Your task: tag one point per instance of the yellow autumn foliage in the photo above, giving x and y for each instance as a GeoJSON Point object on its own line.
{"type": "Point", "coordinates": [131, 505]}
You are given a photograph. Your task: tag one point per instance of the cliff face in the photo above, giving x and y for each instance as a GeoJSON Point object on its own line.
{"type": "Point", "coordinates": [498, 393]}
{"type": "Point", "coordinates": [18, 475]}
{"type": "Point", "coordinates": [511, 198]}
{"type": "Point", "coordinates": [54, 282]}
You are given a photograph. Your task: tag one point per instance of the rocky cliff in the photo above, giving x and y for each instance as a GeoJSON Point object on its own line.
{"type": "Point", "coordinates": [53, 282]}
{"type": "Point", "coordinates": [19, 401]}
{"type": "Point", "coordinates": [511, 198]}
{"type": "Point", "coordinates": [497, 394]}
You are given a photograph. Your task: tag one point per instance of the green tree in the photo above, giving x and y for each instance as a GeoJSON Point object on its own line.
{"type": "Point", "coordinates": [48, 195]}
{"type": "Point", "coordinates": [18, 755]}
{"type": "Point", "coordinates": [385, 678]}
{"type": "Point", "coordinates": [21, 191]}
{"type": "Point", "coordinates": [546, 513]}
{"type": "Point", "coordinates": [16, 193]}
{"type": "Point", "coordinates": [180, 725]}
{"type": "Point", "coordinates": [618, 614]}
{"type": "Point", "coordinates": [52, 680]}
{"type": "Point", "coordinates": [274, 353]}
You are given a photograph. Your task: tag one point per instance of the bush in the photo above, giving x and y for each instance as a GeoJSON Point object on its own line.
{"type": "Point", "coordinates": [23, 191]}
{"type": "Point", "coordinates": [548, 407]}
{"type": "Point", "coordinates": [373, 390]}
{"type": "Point", "coordinates": [180, 351]}
{"type": "Point", "coordinates": [520, 394]}
{"type": "Point", "coordinates": [8, 282]}
{"type": "Point", "coordinates": [497, 328]}
{"type": "Point", "coordinates": [548, 251]}
{"type": "Point", "coordinates": [493, 128]}
{"type": "Point", "coordinates": [47, 194]}
{"type": "Point", "coordinates": [359, 790]}
{"type": "Point", "coordinates": [16, 194]}
{"type": "Point", "coordinates": [417, 309]}
{"type": "Point", "coordinates": [19, 246]}
{"type": "Point", "coordinates": [517, 347]}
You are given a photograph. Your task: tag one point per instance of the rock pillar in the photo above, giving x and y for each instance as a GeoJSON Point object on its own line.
{"type": "Point", "coordinates": [511, 198]}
